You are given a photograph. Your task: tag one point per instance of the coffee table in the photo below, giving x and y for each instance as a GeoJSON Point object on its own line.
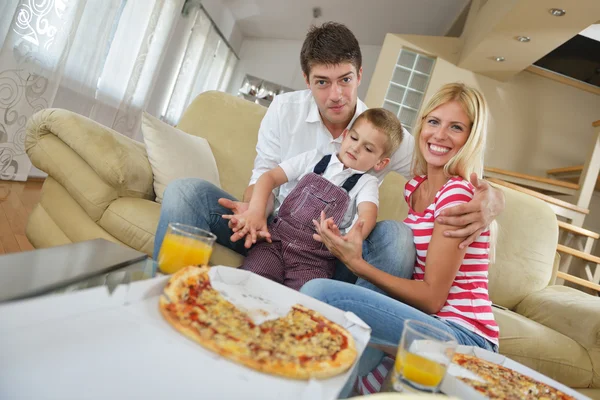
{"type": "Point", "coordinates": [71, 267]}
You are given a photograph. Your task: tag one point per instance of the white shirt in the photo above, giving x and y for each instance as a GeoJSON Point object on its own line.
{"type": "Point", "coordinates": [366, 189]}
{"type": "Point", "coordinates": [293, 125]}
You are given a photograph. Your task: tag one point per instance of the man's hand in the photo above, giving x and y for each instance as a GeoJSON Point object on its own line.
{"type": "Point", "coordinates": [236, 207]}
{"type": "Point", "coordinates": [244, 223]}
{"type": "Point", "coordinates": [251, 225]}
{"type": "Point", "coordinates": [475, 216]}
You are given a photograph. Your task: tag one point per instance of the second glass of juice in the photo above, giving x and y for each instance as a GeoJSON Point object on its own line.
{"type": "Point", "coordinates": [423, 356]}
{"type": "Point", "coordinates": [184, 245]}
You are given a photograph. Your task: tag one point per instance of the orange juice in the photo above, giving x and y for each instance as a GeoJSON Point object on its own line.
{"type": "Point", "coordinates": [420, 370]}
{"type": "Point", "coordinates": [179, 251]}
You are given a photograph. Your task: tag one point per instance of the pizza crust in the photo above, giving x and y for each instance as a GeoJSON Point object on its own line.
{"type": "Point", "coordinates": [238, 350]}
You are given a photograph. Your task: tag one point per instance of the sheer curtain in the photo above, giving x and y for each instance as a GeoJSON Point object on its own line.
{"type": "Point", "coordinates": [102, 59]}
{"type": "Point", "coordinates": [207, 63]}
{"type": "Point", "coordinates": [36, 41]}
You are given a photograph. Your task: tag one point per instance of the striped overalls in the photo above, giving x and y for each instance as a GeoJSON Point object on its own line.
{"type": "Point", "coordinates": [295, 257]}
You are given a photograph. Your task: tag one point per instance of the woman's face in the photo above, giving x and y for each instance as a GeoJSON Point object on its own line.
{"type": "Point", "coordinates": [444, 132]}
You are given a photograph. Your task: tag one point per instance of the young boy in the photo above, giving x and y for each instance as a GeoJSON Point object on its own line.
{"type": "Point", "coordinates": [337, 184]}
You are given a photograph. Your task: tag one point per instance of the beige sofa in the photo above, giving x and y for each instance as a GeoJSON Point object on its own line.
{"type": "Point", "coordinates": [100, 185]}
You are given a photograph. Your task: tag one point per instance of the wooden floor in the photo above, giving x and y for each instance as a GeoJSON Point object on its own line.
{"type": "Point", "coordinates": [17, 200]}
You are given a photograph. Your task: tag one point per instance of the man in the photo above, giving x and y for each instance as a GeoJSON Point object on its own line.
{"type": "Point", "coordinates": [315, 118]}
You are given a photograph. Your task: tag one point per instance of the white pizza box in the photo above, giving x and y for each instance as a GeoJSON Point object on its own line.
{"type": "Point", "coordinates": [453, 386]}
{"type": "Point", "coordinates": [95, 345]}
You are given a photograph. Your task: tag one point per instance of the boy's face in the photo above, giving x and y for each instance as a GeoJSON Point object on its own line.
{"type": "Point", "coordinates": [363, 147]}
{"type": "Point", "coordinates": [334, 88]}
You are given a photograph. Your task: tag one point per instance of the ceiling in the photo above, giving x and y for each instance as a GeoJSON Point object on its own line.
{"type": "Point", "coordinates": [592, 32]}
{"type": "Point", "coordinates": [490, 45]}
{"type": "Point", "coordinates": [370, 20]}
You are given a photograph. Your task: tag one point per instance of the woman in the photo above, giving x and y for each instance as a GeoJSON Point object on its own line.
{"type": "Point", "coordinates": [449, 285]}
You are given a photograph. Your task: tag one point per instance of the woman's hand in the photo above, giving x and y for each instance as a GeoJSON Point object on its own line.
{"type": "Point", "coordinates": [348, 248]}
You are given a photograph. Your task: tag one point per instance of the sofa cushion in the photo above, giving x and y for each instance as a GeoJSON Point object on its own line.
{"type": "Point", "coordinates": [174, 154]}
{"type": "Point", "coordinates": [222, 255]}
{"type": "Point", "coordinates": [68, 215]}
{"type": "Point", "coordinates": [561, 308]}
{"type": "Point", "coordinates": [133, 222]}
{"type": "Point", "coordinates": [543, 349]}
{"type": "Point", "coordinates": [525, 249]}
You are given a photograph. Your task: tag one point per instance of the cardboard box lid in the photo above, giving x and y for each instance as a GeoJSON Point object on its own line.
{"type": "Point", "coordinates": [91, 345]}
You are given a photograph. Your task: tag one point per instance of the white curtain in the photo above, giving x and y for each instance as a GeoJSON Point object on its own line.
{"type": "Point", "coordinates": [207, 63]}
{"type": "Point", "coordinates": [36, 42]}
{"type": "Point", "coordinates": [101, 59]}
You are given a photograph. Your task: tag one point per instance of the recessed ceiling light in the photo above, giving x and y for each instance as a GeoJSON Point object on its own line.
{"type": "Point", "coordinates": [523, 39]}
{"type": "Point", "coordinates": [557, 12]}
{"type": "Point", "coordinates": [499, 59]}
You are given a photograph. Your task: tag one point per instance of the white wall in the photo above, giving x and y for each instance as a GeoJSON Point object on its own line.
{"type": "Point", "coordinates": [278, 61]}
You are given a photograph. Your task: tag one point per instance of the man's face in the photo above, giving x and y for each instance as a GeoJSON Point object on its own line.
{"type": "Point", "coordinates": [334, 90]}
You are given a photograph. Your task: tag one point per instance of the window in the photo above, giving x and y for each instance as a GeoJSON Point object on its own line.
{"type": "Point", "coordinates": [408, 85]}
{"type": "Point", "coordinates": [207, 64]}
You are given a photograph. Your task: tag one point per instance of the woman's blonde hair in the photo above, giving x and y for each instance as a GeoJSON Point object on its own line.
{"type": "Point", "coordinates": [469, 158]}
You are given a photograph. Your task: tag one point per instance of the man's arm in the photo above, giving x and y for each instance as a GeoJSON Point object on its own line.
{"type": "Point", "coordinates": [473, 217]}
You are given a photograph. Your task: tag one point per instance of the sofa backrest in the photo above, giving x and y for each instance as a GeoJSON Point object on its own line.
{"type": "Point", "coordinates": [525, 249]}
{"type": "Point", "coordinates": [230, 125]}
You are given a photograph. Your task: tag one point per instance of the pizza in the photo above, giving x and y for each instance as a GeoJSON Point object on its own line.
{"type": "Point", "coordinates": [500, 382]}
{"type": "Point", "coordinates": [300, 345]}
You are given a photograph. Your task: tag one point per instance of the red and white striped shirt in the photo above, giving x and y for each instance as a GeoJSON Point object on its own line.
{"type": "Point", "coordinates": [468, 303]}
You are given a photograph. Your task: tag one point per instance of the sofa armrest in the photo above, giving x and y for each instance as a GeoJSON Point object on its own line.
{"type": "Point", "coordinates": [571, 312]}
{"type": "Point", "coordinates": [119, 161]}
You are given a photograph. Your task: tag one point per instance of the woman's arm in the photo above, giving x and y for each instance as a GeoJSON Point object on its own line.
{"type": "Point", "coordinates": [444, 258]}
{"type": "Point", "coordinates": [475, 216]}
{"type": "Point", "coordinates": [443, 261]}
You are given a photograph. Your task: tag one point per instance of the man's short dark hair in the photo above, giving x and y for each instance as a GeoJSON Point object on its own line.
{"type": "Point", "coordinates": [330, 44]}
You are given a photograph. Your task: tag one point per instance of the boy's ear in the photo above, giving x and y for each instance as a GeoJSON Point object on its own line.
{"type": "Point", "coordinates": [381, 164]}
{"type": "Point", "coordinates": [345, 133]}
{"type": "Point", "coordinates": [306, 80]}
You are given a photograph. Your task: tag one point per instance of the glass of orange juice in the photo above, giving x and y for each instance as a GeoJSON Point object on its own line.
{"type": "Point", "coordinates": [423, 356]}
{"type": "Point", "coordinates": [184, 245]}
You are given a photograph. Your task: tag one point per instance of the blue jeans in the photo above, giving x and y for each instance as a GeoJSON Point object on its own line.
{"type": "Point", "coordinates": [385, 316]}
{"type": "Point", "coordinates": [194, 202]}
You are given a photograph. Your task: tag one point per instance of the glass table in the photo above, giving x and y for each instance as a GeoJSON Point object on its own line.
{"type": "Point", "coordinates": [71, 267]}
{"type": "Point", "coordinates": [140, 270]}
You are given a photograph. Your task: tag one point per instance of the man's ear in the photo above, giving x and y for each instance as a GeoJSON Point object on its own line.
{"type": "Point", "coordinates": [306, 80]}
{"type": "Point", "coordinates": [359, 75]}
{"type": "Point", "coordinates": [381, 164]}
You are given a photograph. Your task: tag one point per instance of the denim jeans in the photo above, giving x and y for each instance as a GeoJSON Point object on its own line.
{"type": "Point", "coordinates": [385, 316]}
{"type": "Point", "coordinates": [194, 202]}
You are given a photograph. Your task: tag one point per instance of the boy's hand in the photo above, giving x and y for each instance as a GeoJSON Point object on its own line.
{"type": "Point", "coordinates": [251, 225]}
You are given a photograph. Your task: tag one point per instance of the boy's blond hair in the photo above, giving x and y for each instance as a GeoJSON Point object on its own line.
{"type": "Point", "coordinates": [385, 122]}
